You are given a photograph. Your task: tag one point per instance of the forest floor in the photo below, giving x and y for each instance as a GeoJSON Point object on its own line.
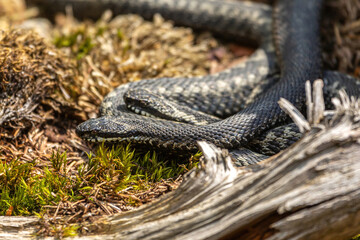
{"type": "Point", "coordinates": [55, 77]}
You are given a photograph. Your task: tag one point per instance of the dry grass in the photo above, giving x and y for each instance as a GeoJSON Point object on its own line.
{"type": "Point", "coordinates": [341, 36]}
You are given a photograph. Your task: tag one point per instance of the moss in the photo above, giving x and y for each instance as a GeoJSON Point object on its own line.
{"type": "Point", "coordinates": [26, 189]}
{"type": "Point", "coordinates": [31, 71]}
{"type": "Point", "coordinates": [357, 237]}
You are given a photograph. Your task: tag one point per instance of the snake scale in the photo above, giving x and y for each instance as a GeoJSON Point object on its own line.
{"type": "Point", "coordinates": [224, 108]}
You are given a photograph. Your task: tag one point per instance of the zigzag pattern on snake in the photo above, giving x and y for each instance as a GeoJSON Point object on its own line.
{"type": "Point", "coordinates": [201, 103]}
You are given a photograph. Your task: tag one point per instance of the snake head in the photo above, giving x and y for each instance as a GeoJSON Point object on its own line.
{"type": "Point", "coordinates": [146, 132]}
{"type": "Point", "coordinates": [107, 128]}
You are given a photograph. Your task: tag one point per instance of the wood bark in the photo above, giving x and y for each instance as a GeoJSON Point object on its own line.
{"type": "Point", "coordinates": [309, 191]}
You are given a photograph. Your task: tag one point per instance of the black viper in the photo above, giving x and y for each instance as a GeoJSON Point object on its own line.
{"type": "Point", "coordinates": [296, 31]}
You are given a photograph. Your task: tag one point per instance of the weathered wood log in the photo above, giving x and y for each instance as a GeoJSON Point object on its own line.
{"type": "Point", "coordinates": [309, 191]}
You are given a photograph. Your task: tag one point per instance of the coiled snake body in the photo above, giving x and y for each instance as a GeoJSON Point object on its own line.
{"type": "Point", "coordinates": [193, 109]}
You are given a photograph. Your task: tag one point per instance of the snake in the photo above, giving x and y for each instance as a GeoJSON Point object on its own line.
{"type": "Point", "coordinates": [236, 109]}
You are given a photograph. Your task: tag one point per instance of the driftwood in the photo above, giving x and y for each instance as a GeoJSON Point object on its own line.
{"type": "Point", "coordinates": [309, 191]}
